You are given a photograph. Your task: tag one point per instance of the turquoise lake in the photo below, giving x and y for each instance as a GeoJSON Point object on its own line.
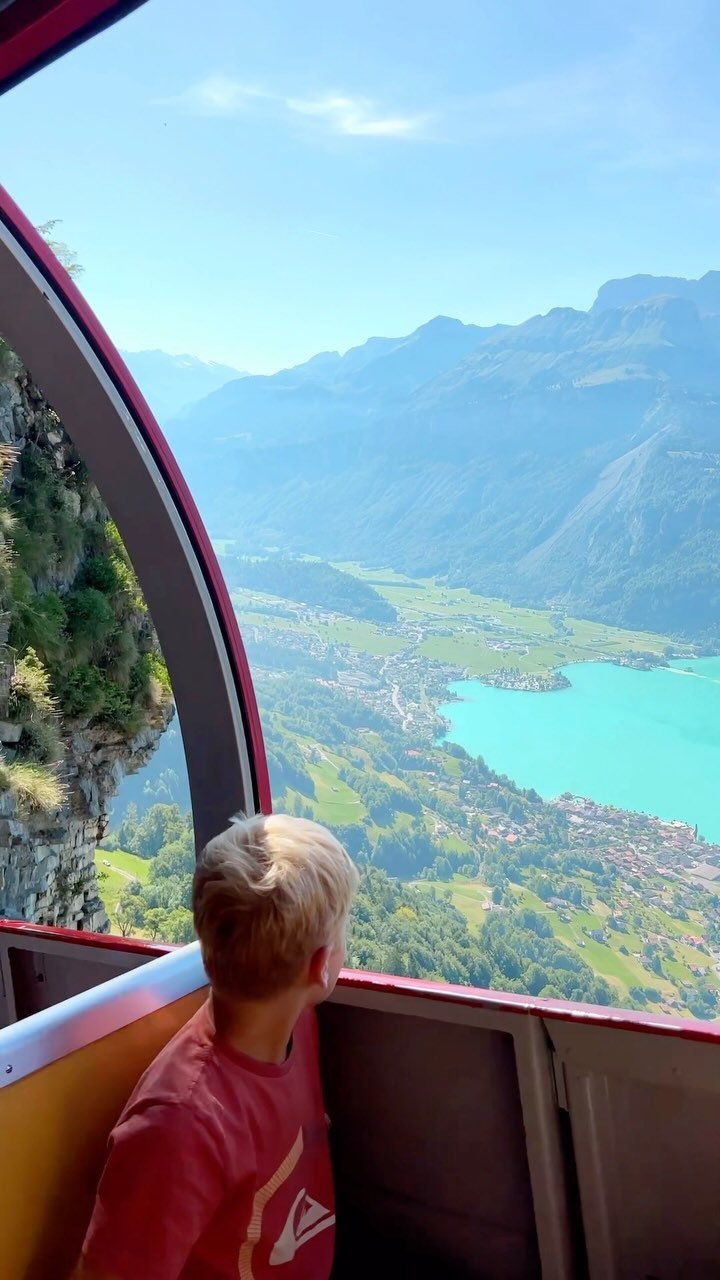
{"type": "Point", "coordinates": [643, 740]}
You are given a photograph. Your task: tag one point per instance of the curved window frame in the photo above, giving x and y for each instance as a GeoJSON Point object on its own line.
{"type": "Point", "coordinates": [34, 33]}
{"type": "Point", "coordinates": [44, 317]}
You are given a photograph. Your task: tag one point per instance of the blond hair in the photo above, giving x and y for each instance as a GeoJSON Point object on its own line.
{"type": "Point", "coordinates": [267, 894]}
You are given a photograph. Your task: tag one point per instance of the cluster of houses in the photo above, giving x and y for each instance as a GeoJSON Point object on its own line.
{"type": "Point", "coordinates": [642, 846]}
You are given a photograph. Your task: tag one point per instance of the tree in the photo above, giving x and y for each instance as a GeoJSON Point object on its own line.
{"type": "Point", "coordinates": [62, 252]}
{"type": "Point", "coordinates": [537, 979]}
{"type": "Point", "coordinates": [155, 922]}
{"type": "Point", "coordinates": [175, 860]}
{"type": "Point", "coordinates": [178, 926]}
{"type": "Point", "coordinates": [126, 832]}
{"type": "Point", "coordinates": [124, 919]}
{"type": "Point", "coordinates": [161, 825]}
{"type": "Point", "coordinates": [130, 909]}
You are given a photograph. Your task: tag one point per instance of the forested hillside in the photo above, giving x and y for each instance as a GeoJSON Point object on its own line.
{"type": "Point", "coordinates": [309, 582]}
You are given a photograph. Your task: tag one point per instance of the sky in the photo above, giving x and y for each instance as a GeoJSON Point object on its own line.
{"type": "Point", "coordinates": [254, 183]}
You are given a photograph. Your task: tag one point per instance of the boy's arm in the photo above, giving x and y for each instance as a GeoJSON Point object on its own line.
{"type": "Point", "coordinates": [163, 1181]}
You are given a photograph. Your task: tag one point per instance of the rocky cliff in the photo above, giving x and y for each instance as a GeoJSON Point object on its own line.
{"type": "Point", "coordinates": [84, 694]}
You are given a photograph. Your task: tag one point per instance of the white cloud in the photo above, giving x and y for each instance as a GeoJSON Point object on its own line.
{"type": "Point", "coordinates": [220, 95]}
{"type": "Point", "coordinates": [353, 117]}
{"type": "Point", "coordinates": [357, 117]}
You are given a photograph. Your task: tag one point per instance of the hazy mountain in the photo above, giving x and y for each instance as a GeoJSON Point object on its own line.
{"type": "Point", "coordinates": [705, 293]}
{"type": "Point", "coordinates": [574, 457]}
{"type": "Point", "coordinates": [329, 392]}
{"type": "Point", "coordinates": [169, 383]}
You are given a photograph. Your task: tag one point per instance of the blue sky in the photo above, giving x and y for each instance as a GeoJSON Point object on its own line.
{"type": "Point", "coordinates": [256, 183]}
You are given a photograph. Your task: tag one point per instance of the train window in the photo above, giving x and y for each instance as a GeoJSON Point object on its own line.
{"type": "Point", "coordinates": [474, 559]}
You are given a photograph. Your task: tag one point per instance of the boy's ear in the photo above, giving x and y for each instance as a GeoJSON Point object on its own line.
{"type": "Point", "coordinates": [319, 971]}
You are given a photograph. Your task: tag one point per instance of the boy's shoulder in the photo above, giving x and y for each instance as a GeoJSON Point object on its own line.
{"type": "Point", "coordinates": [197, 1095]}
{"type": "Point", "coordinates": [192, 1072]}
{"type": "Point", "coordinates": [177, 1076]}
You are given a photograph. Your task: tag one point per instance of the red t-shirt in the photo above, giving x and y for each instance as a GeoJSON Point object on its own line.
{"type": "Point", "coordinates": [219, 1167]}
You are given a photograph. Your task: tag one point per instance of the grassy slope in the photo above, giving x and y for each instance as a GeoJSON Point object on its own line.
{"type": "Point", "coordinates": [606, 959]}
{"type": "Point", "coordinates": [335, 801]}
{"type": "Point", "coordinates": [467, 895]}
{"type": "Point", "coordinates": [339, 804]}
{"type": "Point", "coordinates": [123, 868]}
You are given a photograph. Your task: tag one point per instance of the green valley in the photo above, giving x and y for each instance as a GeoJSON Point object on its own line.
{"type": "Point", "coordinates": [437, 631]}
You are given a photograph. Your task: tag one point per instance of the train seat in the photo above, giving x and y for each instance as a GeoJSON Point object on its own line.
{"type": "Point", "coordinates": [68, 1072]}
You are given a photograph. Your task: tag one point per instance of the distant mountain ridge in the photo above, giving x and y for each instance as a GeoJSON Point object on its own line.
{"type": "Point", "coordinates": [573, 458]}
{"type": "Point", "coordinates": [705, 292]}
{"type": "Point", "coordinates": [170, 383]}
{"type": "Point", "coordinates": [330, 392]}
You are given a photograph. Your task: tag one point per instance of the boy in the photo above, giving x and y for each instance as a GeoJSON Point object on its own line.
{"type": "Point", "coordinates": [219, 1166]}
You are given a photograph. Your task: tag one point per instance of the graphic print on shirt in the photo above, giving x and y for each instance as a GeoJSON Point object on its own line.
{"type": "Point", "coordinates": [306, 1219]}
{"type": "Point", "coordinates": [300, 1227]}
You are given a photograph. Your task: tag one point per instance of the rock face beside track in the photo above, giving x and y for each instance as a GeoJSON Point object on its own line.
{"type": "Point", "coordinates": [84, 697]}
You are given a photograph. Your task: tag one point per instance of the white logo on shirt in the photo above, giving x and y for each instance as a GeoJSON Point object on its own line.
{"type": "Point", "coordinates": [306, 1219]}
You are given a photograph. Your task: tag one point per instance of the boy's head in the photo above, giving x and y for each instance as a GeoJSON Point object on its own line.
{"type": "Point", "coordinates": [271, 898]}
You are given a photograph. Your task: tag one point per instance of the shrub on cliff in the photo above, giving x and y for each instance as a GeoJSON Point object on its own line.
{"type": "Point", "coordinates": [73, 595]}
{"type": "Point", "coordinates": [90, 622]}
{"type": "Point", "coordinates": [30, 694]}
{"type": "Point", "coordinates": [33, 785]}
{"type": "Point", "coordinates": [37, 621]}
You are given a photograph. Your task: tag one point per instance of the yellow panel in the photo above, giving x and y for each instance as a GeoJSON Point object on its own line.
{"type": "Point", "coordinates": [54, 1127]}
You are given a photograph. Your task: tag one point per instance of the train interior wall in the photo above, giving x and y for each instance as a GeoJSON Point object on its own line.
{"type": "Point", "coordinates": [471, 1135]}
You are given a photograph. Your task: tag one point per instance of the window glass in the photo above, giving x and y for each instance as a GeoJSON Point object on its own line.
{"type": "Point", "coordinates": [458, 458]}
{"type": "Point", "coordinates": [146, 862]}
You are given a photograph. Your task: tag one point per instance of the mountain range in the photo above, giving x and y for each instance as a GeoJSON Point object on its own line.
{"type": "Point", "coordinates": [574, 458]}
{"type": "Point", "coordinates": [169, 383]}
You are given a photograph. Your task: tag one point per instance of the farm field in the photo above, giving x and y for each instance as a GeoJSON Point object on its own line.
{"type": "Point", "coordinates": [453, 625]}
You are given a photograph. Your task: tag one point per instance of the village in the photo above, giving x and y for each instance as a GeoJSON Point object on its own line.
{"type": "Point", "coordinates": [525, 681]}
{"type": "Point", "coordinates": [657, 898]}
{"type": "Point", "coordinates": [658, 864]}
